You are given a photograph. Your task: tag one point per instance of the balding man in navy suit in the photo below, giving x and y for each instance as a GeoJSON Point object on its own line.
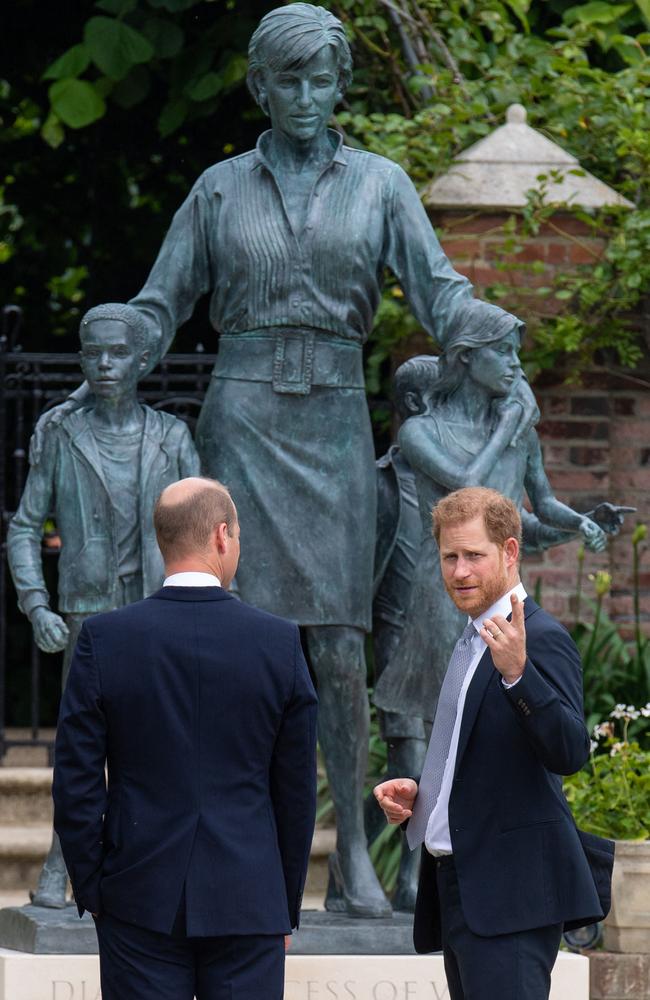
{"type": "Point", "coordinates": [192, 857]}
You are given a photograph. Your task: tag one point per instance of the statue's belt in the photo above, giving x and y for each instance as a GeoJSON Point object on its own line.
{"type": "Point", "coordinates": [292, 359]}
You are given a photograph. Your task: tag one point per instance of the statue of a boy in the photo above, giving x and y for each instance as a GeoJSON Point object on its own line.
{"type": "Point", "coordinates": [99, 471]}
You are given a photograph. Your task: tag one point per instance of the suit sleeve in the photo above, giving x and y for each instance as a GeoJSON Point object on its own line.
{"type": "Point", "coordinates": [548, 699]}
{"type": "Point", "coordinates": [79, 788]}
{"type": "Point", "coordinates": [293, 782]}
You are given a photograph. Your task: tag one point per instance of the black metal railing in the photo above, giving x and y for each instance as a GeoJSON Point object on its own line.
{"type": "Point", "coordinates": [31, 384]}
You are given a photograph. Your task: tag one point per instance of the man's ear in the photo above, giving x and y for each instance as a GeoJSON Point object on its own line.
{"type": "Point", "coordinates": [511, 551]}
{"type": "Point", "coordinates": [463, 356]}
{"type": "Point", "coordinates": [220, 533]}
{"type": "Point", "coordinates": [144, 357]}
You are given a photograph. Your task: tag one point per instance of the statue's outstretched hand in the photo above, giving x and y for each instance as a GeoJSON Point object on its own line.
{"type": "Point", "coordinates": [609, 516]}
{"type": "Point", "coordinates": [396, 798]}
{"type": "Point", "coordinates": [53, 417]}
{"type": "Point", "coordinates": [50, 631]}
{"type": "Point", "coordinates": [594, 536]}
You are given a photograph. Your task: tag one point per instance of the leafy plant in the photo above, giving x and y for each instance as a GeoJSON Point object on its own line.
{"type": "Point", "coordinates": [611, 795]}
{"type": "Point", "coordinates": [615, 669]}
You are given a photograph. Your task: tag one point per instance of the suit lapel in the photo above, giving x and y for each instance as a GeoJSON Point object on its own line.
{"type": "Point", "coordinates": [483, 674]}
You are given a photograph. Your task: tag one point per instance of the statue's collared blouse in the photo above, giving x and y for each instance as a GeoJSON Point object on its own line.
{"type": "Point", "coordinates": [232, 238]}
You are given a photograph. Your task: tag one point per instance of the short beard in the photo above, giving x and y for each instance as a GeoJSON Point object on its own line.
{"type": "Point", "coordinates": [490, 592]}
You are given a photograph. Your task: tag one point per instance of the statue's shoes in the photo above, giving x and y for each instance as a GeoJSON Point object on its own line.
{"type": "Point", "coordinates": [48, 897]}
{"type": "Point", "coordinates": [368, 901]}
{"type": "Point", "coordinates": [403, 900]}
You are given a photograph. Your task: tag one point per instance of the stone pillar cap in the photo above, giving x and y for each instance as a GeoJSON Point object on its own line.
{"type": "Point", "coordinates": [496, 172]}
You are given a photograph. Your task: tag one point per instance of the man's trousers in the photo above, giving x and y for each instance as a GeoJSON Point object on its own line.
{"type": "Point", "coordinates": [505, 967]}
{"type": "Point", "coordinates": [140, 964]}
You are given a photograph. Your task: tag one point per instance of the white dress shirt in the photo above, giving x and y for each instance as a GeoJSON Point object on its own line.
{"type": "Point", "coordinates": [192, 579]}
{"type": "Point", "coordinates": [438, 839]}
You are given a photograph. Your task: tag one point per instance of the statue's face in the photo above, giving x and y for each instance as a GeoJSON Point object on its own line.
{"type": "Point", "coordinates": [497, 365]}
{"type": "Point", "coordinates": [109, 360]}
{"type": "Point", "coordinates": [300, 101]}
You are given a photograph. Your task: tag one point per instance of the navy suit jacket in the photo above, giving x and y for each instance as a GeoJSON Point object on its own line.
{"type": "Point", "coordinates": [204, 713]}
{"type": "Point", "coordinates": [520, 861]}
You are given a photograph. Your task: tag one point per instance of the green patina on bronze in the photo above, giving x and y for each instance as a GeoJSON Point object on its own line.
{"type": "Point", "coordinates": [99, 469]}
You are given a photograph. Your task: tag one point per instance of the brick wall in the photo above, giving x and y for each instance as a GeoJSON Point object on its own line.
{"type": "Point", "coordinates": [596, 436]}
{"type": "Point", "coordinates": [596, 444]}
{"type": "Point", "coordinates": [490, 250]}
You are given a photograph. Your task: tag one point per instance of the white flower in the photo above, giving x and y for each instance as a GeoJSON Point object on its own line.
{"type": "Point", "coordinates": [616, 749]}
{"type": "Point", "coordinates": [603, 729]}
{"type": "Point", "coordinates": [618, 712]}
{"type": "Point", "coordinates": [593, 745]}
{"type": "Point", "coordinates": [645, 711]}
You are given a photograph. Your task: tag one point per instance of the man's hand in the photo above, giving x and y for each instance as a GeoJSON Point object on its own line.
{"type": "Point", "coordinates": [396, 798]}
{"type": "Point", "coordinates": [50, 631]}
{"type": "Point", "coordinates": [507, 641]}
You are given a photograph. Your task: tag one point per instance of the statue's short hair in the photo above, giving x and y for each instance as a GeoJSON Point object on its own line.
{"type": "Point", "coordinates": [290, 36]}
{"type": "Point", "coordinates": [128, 315]}
{"type": "Point", "coordinates": [415, 375]}
{"type": "Point", "coordinates": [500, 515]}
{"type": "Point", "coordinates": [184, 527]}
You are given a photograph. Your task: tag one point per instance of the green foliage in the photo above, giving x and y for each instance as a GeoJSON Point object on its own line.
{"type": "Point", "coordinates": [611, 795]}
{"type": "Point", "coordinates": [131, 48]}
{"type": "Point", "coordinates": [76, 103]}
{"type": "Point", "coordinates": [585, 81]}
{"type": "Point", "coordinates": [615, 669]}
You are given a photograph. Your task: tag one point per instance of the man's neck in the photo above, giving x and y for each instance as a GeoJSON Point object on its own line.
{"type": "Point", "coordinates": [191, 566]}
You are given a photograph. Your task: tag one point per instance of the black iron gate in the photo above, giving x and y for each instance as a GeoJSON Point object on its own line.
{"type": "Point", "coordinates": [30, 384]}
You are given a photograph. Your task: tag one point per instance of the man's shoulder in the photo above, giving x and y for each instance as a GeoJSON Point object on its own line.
{"type": "Point", "coordinates": [117, 618]}
{"type": "Point", "coordinates": [540, 623]}
{"type": "Point", "coordinates": [263, 619]}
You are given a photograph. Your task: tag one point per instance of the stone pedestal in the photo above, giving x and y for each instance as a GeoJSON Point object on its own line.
{"type": "Point", "coordinates": [41, 931]}
{"type": "Point", "coordinates": [627, 925]}
{"type": "Point", "coordinates": [308, 977]}
{"type": "Point", "coordinates": [38, 931]}
{"type": "Point", "coordinates": [619, 977]}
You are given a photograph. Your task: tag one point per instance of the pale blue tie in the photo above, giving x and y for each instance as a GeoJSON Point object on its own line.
{"type": "Point", "coordinates": [440, 742]}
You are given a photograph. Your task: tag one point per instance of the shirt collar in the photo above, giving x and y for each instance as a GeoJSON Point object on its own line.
{"type": "Point", "coordinates": [192, 579]}
{"type": "Point", "coordinates": [260, 158]}
{"type": "Point", "coordinates": [500, 607]}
